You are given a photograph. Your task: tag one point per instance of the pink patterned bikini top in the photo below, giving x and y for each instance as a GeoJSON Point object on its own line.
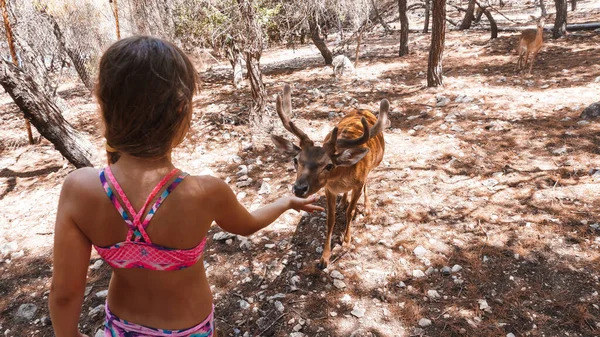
{"type": "Point", "coordinates": [138, 251]}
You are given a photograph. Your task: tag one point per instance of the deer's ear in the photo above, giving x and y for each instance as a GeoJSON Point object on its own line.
{"type": "Point", "coordinates": [350, 156]}
{"type": "Point", "coordinates": [285, 145]}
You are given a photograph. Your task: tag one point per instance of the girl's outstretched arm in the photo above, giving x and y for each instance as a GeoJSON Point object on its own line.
{"type": "Point", "coordinates": [230, 215]}
{"type": "Point", "coordinates": [71, 259]}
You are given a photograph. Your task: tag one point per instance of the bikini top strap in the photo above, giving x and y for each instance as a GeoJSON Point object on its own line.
{"type": "Point", "coordinates": [113, 198]}
{"type": "Point", "coordinates": [162, 198]}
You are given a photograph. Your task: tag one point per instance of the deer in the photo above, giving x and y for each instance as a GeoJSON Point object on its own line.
{"type": "Point", "coordinates": [531, 41]}
{"type": "Point", "coordinates": [341, 165]}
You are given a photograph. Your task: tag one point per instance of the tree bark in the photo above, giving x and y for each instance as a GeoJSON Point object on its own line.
{"type": "Point", "coordinates": [318, 41]}
{"type": "Point", "coordinates": [257, 87]}
{"type": "Point", "coordinates": [469, 16]}
{"type": "Point", "coordinates": [560, 23]}
{"type": "Point", "coordinates": [427, 11]}
{"type": "Point", "coordinates": [45, 115]}
{"type": "Point", "coordinates": [13, 55]}
{"type": "Point", "coordinates": [493, 25]}
{"type": "Point", "coordinates": [438, 36]}
{"type": "Point", "coordinates": [573, 5]}
{"type": "Point", "coordinates": [403, 28]}
{"type": "Point", "coordinates": [543, 8]}
{"type": "Point", "coordinates": [116, 14]}
{"type": "Point", "coordinates": [78, 62]}
{"type": "Point", "coordinates": [380, 19]}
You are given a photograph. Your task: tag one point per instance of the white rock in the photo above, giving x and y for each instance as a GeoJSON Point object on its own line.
{"type": "Point", "coordinates": [99, 333]}
{"type": "Point", "coordinates": [276, 297]}
{"type": "Point", "coordinates": [265, 188]}
{"type": "Point", "coordinates": [102, 293]}
{"type": "Point", "coordinates": [244, 304]}
{"type": "Point", "coordinates": [269, 245]}
{"type": "Point", "coordinates": [433, 294]}
{"type": "Point", "coordinates": [17, 255]}
{"type": "Point", "coordinates": [243, 170]}
{"type": "Point", "coordinates": [8, 248]}
{"type": "Point", "coordinates": [95, 311]}
{"type": "Point", "coordinates": [420, 251]}
{"type": "Point", "coordinates": [456, 268]}
{"type": "Point", "coordinates": [337, 275]}
{"type": "Point", "coordinates": [339, 284]}
{"type": "Point", "coordinates": [483, 305]}
{"type": "Point", "coordinates": [510, 334]}
{"type": "Point", "coordinates": [358, 312]}
{"type": "Point", "coordinates": [424, 322]}
{"type": "Point", "coordinates": [279, 306]}
{"type": "Point", "coordinates": [297, 327]}
{"type": "Point", "coordinates": [297, 334]}
{"type": "Point", "coordinates": [221, 236]}
{"type": "Point", "coordinates": [27, 311]}
{"type": "Point", "coordinates": [418, 273]}
{"type": "Point", "coordinates": [97, 264]}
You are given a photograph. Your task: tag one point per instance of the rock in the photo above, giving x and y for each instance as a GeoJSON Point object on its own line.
{"type": "Point", "coordinates": [358, 311]}
{"type": "Point", "coordinates": [297, 334]}
{"type": "Point", "coordinates": [418, 127]}
{"type": "Point", "coordinates": [102, 293]}
{"type": "Point", "coordinates": [243, 170]}
{"type": "Point", "coordinates": [441, 101]}
{"type": "Point", "coordinates": [483, 305]}
{"type": "Point", "coordinates": [269, 245]}
{"type": "Point", "coordinates": [411, 132]}
{"type": "Point", "coordinates": [241, 195]}
{"type": "Point", "coordinates": [97, 264]}
{"type": "Point", "coordinates": [95, 311]}
{"type": "Point", "coordinates": [276, 297]}
{"type": "Point", "coordinates": [244, 304]}
{"type": "Point", "coordinates": [463, 99]}
{"type": "Point", "coordinates": [263, 322]}
{"type": "Point", "coordinates": [245, 244]}
{"type": "Point", "coordinates": [456, 128]}
{"type": "Point", "coordinates": [418, 273]}
{"type": "Point", "coordinates": [339, 105]}
{"type": "Point", "coordinates": [331, 114]}
{"type": "Point", "coordinates": [297, 327]}
{"type": "Point", "coordinates": [456, 268]}
{"type": "Point", "coordinates": [279, 306]}
{"type": "Point", "coordinates": [17, 255]}
{"type": "Point", "coordinates": [591, 112]}
{"type": "Point", "coordinates": [510, 334]}
{"type": "Point", "coordinates": [26, 311]}
{"type": "Point", "coordinates": [424, 322]}
{"type": "Point", "coordinates": [99, 333]}
{"type": "Point", "coordinates": [265, 188]}
{"type": "Point", "coordinates": [446, 270]}
{"type": "Point", "coordinates": [433, 294]}
{"type": "Point", "coordinates": [429, 270]}
{"type": "Point", "coordinates": [362, 333]}
{"type": "Point", "coordinates": [337, 275]}
{"type": "Point", "coordinates": [221, 236]}
{"type": "Point", "coordinates": [420, 251]}
{"type": "Point", "coordinates": [597, 79]}
{"type": "Point", "coordinates": [560, 151]}
{"type": "Point", "coordinates": [8, 248]}
{"type": "Point", "coordinates": [339, 284]}
{"type": "Point", "coordinates": [236, 159]}
{"type": "Point", "coordinates": [244, 183]}
{"type": "Point", "coordinates": [584, 122]}
{"type": "Point", "coordinates": [46, 320]}
{"type": "Point", "coordinates": [294, 282]}
{"type": "Point", "coordinates": [401, 284]}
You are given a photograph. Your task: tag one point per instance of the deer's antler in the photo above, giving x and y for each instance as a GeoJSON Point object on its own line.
{"type": "Point", "coordinates": [284, 110]}
{"type": "Point", "coordinates": [382, 120]}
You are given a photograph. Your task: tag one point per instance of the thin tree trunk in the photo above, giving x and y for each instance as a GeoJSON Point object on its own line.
{"type": "Point", "coordinates": [469, 16]}
{"type": "Point", "coordinates": [257, 87]}
{"type": "Point", "coordinates": [478, 15]}
{"type": "Point", "coordinates": [318, 41]}
{"type": "Point", "coordinates": [560, 23]}
{"type": "Point", "coordinates": [403, 28]}
{"type": "Point", "coordinates": [385, 26]}
{"type": "Point", "coordinates": [427, 11]}
{"type": "Point", "coordinates": [573, 5]}
{"type": "Point", "coordinates": [493, 25]}
{"type": "Point", "coordinates": [78, 62]}
{"type": "Point", "coordinates": [116, 13]}
{"type": "Point", "coordinates": [235, 59]}
{"type": "Point", "coordinates": [45, 115]}
{"type": "Point", "coordinates": [358, 40]}
{"type": "Point", "coordinates": [13, 55]}
{"type": "Point", "coordinates": [438, 36]}
{"type": "Point", "coordinates": [543, 8]}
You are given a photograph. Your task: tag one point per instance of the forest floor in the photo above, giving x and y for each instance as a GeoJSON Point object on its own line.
{"type": "Point", "coordinates": [493, 175]}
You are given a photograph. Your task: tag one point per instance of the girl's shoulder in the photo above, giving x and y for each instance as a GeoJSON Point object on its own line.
{"type": "Point", "coordinates": [207, 185]}
{"type": "Point", "coordinates": [82, 178]}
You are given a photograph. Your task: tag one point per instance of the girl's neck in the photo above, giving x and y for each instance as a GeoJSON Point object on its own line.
{"type": "Point", "coordinates": [136, 166]}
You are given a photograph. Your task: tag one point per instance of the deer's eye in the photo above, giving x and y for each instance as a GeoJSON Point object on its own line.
{"type": "Point", "coordinates": [329, 167]}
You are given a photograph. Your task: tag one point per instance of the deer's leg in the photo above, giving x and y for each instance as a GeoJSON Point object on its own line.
{"type": "Point", "coordinates": [345, 200]}
{"type": "Point", "coordinates": [526, 59]}
{"type": "Point", "coordinates": [532, 61]}
{"type": "Point", "coordinates": [350, 212]}
{"type": "Point", "coordinates": [518, 67]}
{"type": "Point", "coordinates": [367, 202]}
{"type": "Point", "coordinates": [330, 223]}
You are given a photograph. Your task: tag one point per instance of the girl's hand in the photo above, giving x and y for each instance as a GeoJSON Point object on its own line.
{"type": "Point", "coordinates": [300, 204]}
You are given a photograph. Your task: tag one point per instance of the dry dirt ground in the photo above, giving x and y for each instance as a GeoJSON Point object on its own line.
{"type": "Point", "coordinates": [498, 185]}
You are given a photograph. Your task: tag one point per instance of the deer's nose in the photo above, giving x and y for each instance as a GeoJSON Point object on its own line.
{"type": "Point", "coordinates": [300, 189]}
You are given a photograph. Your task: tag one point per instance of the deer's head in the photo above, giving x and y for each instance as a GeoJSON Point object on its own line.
{"type": "Point", "coordinates": [316, 164]}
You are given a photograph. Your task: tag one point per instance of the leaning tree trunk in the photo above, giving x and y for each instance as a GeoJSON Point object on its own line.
{"type": "Point", "coordinates": [560, 23]}
{"type": "Point", "coordinates": [573, 5]}
{"type": "Point", "coordinates": [469, 16]}
{"type": "Point", "coordinates": [235, 59]}
{"type": "Point", "coordinates": [116, 14]}
{"type": "Point", "coordinates": [257, 87]}
{"type": "Point", "coordinates": [45, 115]}
{"type": "Point", "coordinates": [427, 11]}
{"type": "Point", "coordinates": [403, 28]}
{"type": "Point", "coordinates": [493, 25]}
{"type": "Point", "coordinates": [78, 62]}
{"type": "Point", "coordinates": [318, 41]}
{"type": "Point", "coordinates": [13, 55]}
{"type": "Point", "coordinates": [543, 8]}
{"type": "Point", "coordinates": [438, 36]}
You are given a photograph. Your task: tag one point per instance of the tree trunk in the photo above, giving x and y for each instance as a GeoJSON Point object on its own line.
{"type": "Point", "coordinates": [116, 14]}
{"type": "Point", "coordinates": [438, 36]}
{"type": "Point", "coordinates": [318, 41]}
{"type": "Point", "coordinates": [78, 62]}
{"type": "Point", "coordinates": [257, 87]}
{"type": "Point", "coordinates": [403, 28]}
{"type": "Point", "coordinates": [560, 23]}
{"type": "Point", "coordinates": [235, 59]}
{"type": "Point", "coordinates": [45, 115]}
{"type": "Point", "coordinates": [13, 55]}
{"type": "Point", "coordinates": [543, 8]}
{"type": "Point", "coordinates": [427, 11]}
{"type": "Point", "coordinates": [573, 5]}
{"type": "Point", "coordinates": [469, 16]}
{"type": "Point", "coordinates": [478, 15]}
{"type": "Point", "coordinates": [358, 40]}
{"type": "Point", "coordinates": [493, 25]}
{"type": "Point", "coordinates": [380, 19]}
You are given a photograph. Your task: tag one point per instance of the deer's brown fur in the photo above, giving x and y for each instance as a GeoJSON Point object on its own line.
{"type": "Point", "coordinates": [349, 152]}
{"type": "Point", "coordinates": [530, 42]}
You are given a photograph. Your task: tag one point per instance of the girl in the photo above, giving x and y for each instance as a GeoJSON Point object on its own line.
{"type": "Point", "coordinates": [158, 286]}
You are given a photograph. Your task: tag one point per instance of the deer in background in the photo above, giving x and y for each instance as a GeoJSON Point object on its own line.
{"type": "Point", "coordinates": [349, 152]}
{"type": "Point", "coordinates": [531, 41]}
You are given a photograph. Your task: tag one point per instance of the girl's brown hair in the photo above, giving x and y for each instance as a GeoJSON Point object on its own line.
{"type": "Point", "coordinates": [145, 89]}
